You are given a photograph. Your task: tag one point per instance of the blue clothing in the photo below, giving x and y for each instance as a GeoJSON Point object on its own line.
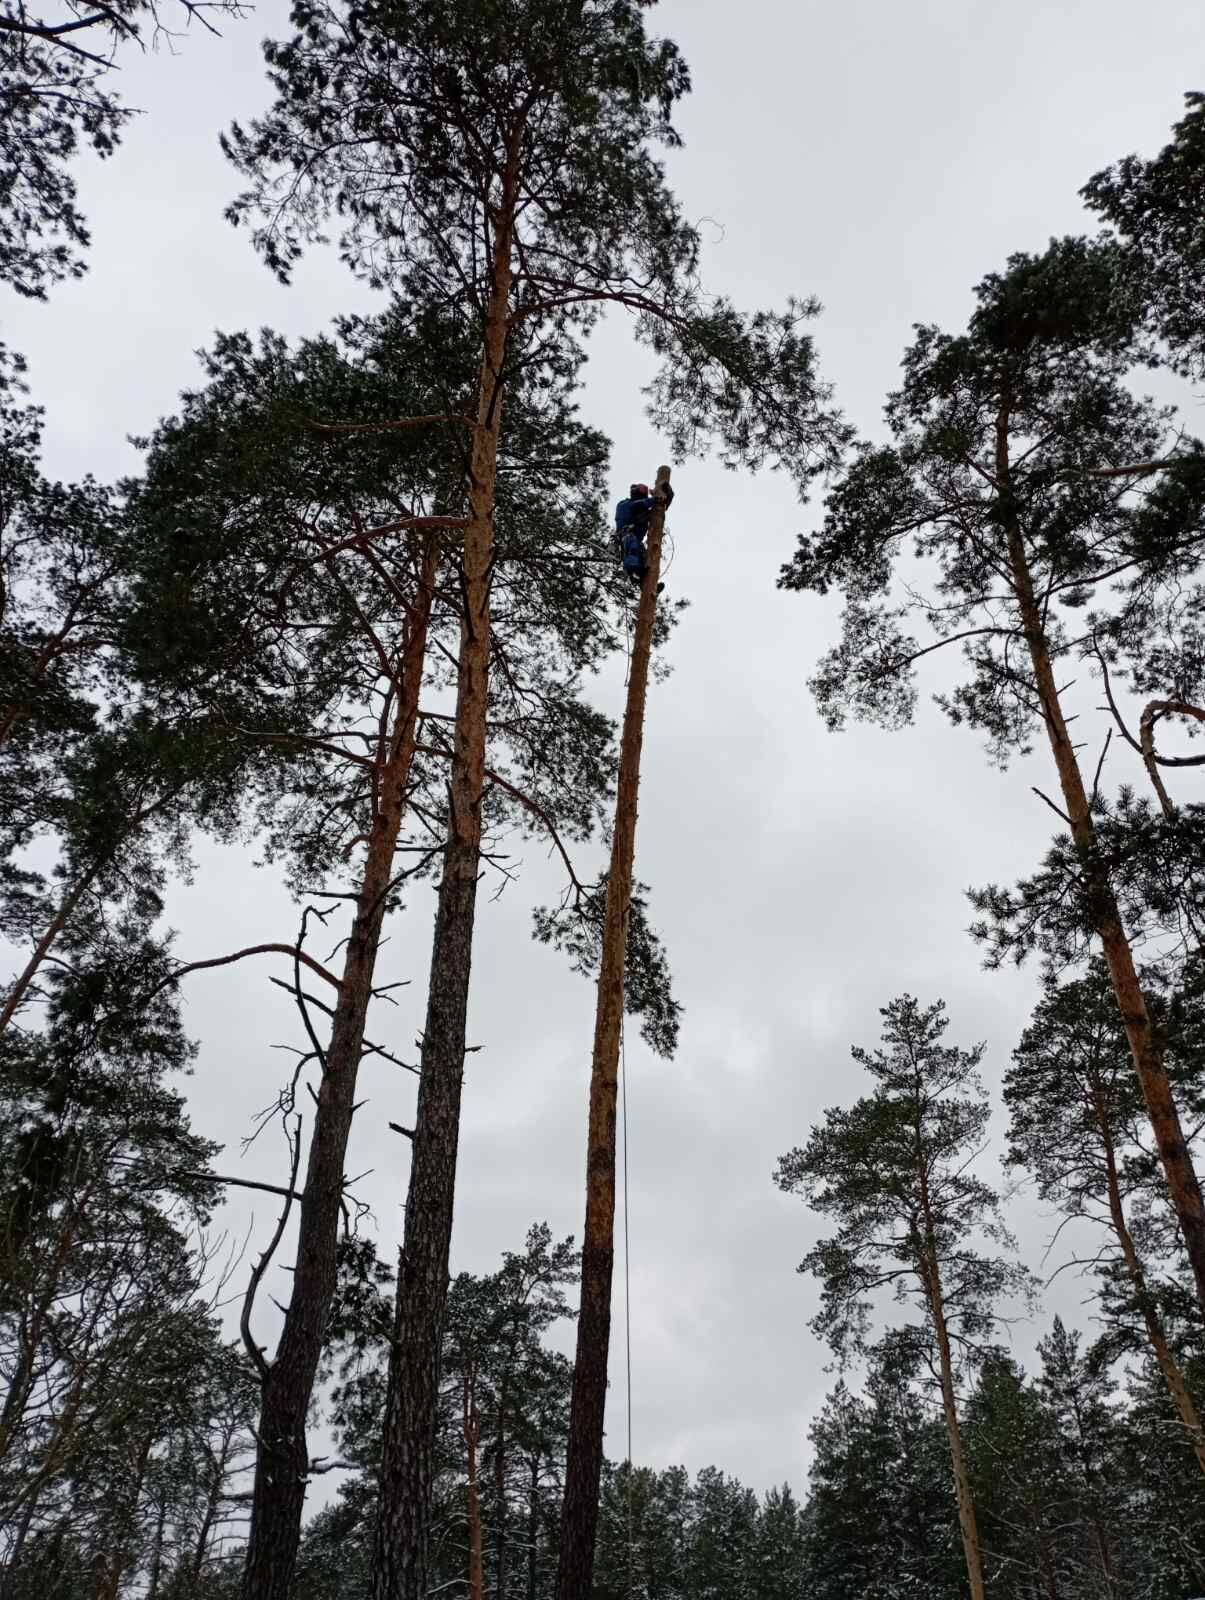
{"type": "Point", "coordinates": [633, 554]}
{"type": "Point", "coordinates": [631, 513]}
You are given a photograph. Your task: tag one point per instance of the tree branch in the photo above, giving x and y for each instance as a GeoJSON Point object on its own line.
{"type": "Point", "coordinates": [261, 1266]}
{"type": "Point", "coordinates": [389, 427]}
{"type": "Point", "coordinates": [239, 955]}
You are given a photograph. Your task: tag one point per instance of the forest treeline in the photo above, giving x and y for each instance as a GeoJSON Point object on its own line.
{"type": "Point", "coordinates": [349, 610]}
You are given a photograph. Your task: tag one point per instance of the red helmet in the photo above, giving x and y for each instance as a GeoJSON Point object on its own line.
{"type": "Point", "coordinates": [640, 491]}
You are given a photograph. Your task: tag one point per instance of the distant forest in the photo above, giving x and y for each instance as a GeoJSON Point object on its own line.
{"type": "Point", "coordinates": [348, 612]}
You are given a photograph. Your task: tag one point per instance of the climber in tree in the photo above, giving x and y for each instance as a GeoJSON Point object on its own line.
{"type": "Point", "coordinates": [632, 523]}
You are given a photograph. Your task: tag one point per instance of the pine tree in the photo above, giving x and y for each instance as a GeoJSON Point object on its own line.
{"type": "Point", "coordinates": [1078, 1396]}
{"type": "Point", "coordinates": [1076, 1119]}
{"type": "Point", "coordinates": [1163, 1529]}
{"type": "Point", "coordinates": [1020, 1490]}
{"type": "Point", "coordinates": [102, 779]}
{"type": "Point", "coordinates": [497, 158]}
{"type": "Point", "coordinates": [894, 1173]}
{"type": "Point", "coordinates": [880, 1518]}
{"type": "Point", "coordinates": [55, 97]}
{"type": "Point", "coordinates": [583, 1467]}
{"type": "Point", "coordinates": [105, 1327]}
{"type": "Point", "coordinates": [777, 1565]}
{"type": "Point", "coordinates": [1022, 468]}
{"type": "Point", "coordinates": [1155, 207]}
{"type": "Point", "coordinates": [277, 543]}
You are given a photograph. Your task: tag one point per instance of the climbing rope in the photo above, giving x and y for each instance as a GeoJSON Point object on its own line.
{"type": "Point", "coordinates": [669, 540]}
{"type": "Point", "coordinates": [627, 1288]}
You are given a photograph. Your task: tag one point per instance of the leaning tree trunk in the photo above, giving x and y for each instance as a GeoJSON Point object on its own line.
{"type": "Point", "coordinates": [399, 1568]}
{"type": "Point", "coordinates": [282, 1453]}
{"type": "Point", "coordinates": [1145, 1049]}
{"type": "Point", "coordinates": [24, 980]}
{"type": "Point", "coordinates": [584, 1457]}
{"type": "Point", "coordinates": [1156, 1335]}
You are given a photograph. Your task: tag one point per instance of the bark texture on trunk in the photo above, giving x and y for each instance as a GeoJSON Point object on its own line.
{"type": "Point", "coordinates": [399, 1570]}
{"type": "Point", "coordinates": [583, 1464]}
{"type": "Point", "coordinates": [1145, 1049]}
{"type": "Point", "coordinates": [282, 1455]}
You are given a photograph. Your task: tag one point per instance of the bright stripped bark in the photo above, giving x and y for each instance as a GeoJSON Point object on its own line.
{"type": "Point", "coordinates": [931, 1278]}
{"type": "Point", "coordinates": [1145, 1050]}
{"type": "Point", "coordinates": [583, 1463]}
{"type": "Point", "coordinates": [408, 1444]}
{"type": "Point", "coordinates": [282, 1457]}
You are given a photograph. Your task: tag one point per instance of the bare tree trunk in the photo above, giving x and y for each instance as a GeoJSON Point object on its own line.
{"type": "Point", "coordinates": [931, 1278]}
{"type": "Point", "coordinates": [583, 1461]}
{"type": "Point", "coordinates": [1147, 1055]}
{"type": "Point", "coordinates": [1136, 1272]}
{"type": "Point", "coordinates": [472, 1433]}
{"type": "Point", "coordinates": [282, 1454]}
{"type": "Point", "coordinates": [219, 1461]}
{"type": "Point", "coordinates": [967, 1523]}
{"type": "Point", "coordinates": [399, 1570]}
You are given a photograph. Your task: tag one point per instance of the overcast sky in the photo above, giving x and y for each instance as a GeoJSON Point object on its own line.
{"type": "Point", "coordinates": [882, 155]}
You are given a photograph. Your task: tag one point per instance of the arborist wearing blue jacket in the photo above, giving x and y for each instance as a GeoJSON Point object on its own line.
{"type": "Point", "coordinates": [631, 524]}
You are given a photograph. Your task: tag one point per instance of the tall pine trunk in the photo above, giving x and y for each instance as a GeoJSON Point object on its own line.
{"type": "Point", "coordinates": [584, 1457]}
{"type": "Point", "coordinates": [399, 1570]}
{"type": "Point", "coordinates": [967, 1523]}
{"type": "Point", "coordinates": [282, 1453]}
{"type": "Point", "coordinates": [1145, 1049]}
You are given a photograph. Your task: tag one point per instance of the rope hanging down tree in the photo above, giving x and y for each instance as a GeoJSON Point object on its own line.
{"type": "Point", "coordinates": [583, 1465]}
